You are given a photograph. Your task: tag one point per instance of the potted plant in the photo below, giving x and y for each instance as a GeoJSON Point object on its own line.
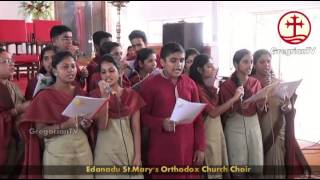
{"type": "Point", "coordinates": [39, 10]}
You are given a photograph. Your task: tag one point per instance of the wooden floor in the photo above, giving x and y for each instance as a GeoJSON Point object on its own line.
{"type": "Point", "coordinates": [312, 155]}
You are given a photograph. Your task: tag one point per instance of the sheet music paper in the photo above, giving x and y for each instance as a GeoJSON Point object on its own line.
{"type": "Point", "coordinates": [280, 89]}
{"type": "Point", "coordinates": [185, 112]}
{"type": "Point", "coordinates": [287, 89]}
{"type": "Point", "coordinates": [83, 106]}
{"type": "Point", "coordinates": [262, 93]}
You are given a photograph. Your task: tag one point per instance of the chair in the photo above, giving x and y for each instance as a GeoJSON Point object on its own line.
{"type": "Point", "coordinates": [30, 62]}
{"type": "Point", "coordinates": [15, 32]}
{"type": "Point", "coordinates": [42, 30]}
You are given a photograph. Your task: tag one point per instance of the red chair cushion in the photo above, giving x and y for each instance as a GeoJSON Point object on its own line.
{"type": "Point", "coordinates": [25, 58]}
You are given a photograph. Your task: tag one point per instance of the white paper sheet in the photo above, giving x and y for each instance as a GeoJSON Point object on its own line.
{"type": "Point", "coordinates": [185, 112]}
{"type": "Point", "coordinates": [83, 106]}
{"type": "Point", "coordinates": [264, 92]}
{"type": "Point", "coordinates": [287, 89]}
{"type": "Point", "coordinates": [43, 82]}
{"type": "Point", "coordinates": [283, 89]}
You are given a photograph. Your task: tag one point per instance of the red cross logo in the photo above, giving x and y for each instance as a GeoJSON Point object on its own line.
{"type": "Point", "coordinates": [294, 27]}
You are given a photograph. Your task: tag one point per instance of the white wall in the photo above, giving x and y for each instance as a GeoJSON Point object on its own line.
{"type": "Point", "coordinates": [268, 6]}
{"type": "Point", "coordinates": [10, 10]}
{"type": "Point", "coordinates": [137, 14]}
{"type": "Point", "coordinates": [169, 9]}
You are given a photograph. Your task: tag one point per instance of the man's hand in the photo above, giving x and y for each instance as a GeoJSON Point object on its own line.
{"type": "Point", "coordinates": [168, 125]}
{"type": "Point", "coordinates": [85, 122]}
{"type": "Point", "coordinates": [198, 158]}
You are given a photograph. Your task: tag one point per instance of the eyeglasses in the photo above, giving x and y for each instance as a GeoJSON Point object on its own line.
{"type": "Point", "coordinates": [6, 61]}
